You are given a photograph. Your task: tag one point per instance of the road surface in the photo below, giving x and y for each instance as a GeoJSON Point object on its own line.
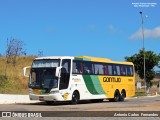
{"type": "Point", "coordinates": [85, 108]}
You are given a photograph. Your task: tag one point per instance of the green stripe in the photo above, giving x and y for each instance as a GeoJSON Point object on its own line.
{"type": "Point", "coordinates": [89, 84]}
{"type": "Point", "coordinates": [85, 59]}
{"type": "Point", "coordinates": [97, 84]}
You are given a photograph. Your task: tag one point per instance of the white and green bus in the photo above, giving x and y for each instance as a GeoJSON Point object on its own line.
{"type": "Point", "coordinates": [66, 78]}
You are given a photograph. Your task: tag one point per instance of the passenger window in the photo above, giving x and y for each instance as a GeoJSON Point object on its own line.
{"type": "Point", "coordinates": [99, 69]}
{"type": "Point", "coordinates": [118, 69]}
{"type": "Point", "coordinates": [88, 68]}
{"type": "Point", "coordinates": [122, 70]}
{"type": "Point", "coordinates": [131, 70]}
{"type": "Point", "coordinates": [110, 69]}
{"type": "Point", "coordinates": [114, 70]}
{"type": "Point", "coordinates": [106, 70]}
{"type": "Point", "coordinates": [77, 67]}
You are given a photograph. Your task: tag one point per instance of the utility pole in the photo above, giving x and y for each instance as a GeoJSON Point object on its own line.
{"type": "Point", "coordinates": [144, 67]}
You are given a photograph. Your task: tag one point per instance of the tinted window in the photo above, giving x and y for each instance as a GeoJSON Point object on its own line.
{"type": "Point", "coordinates": [99, 68]}
{"type": "Point", "coordinates": [118, 69]}
{"type": "Point", "coordinates": [96, 68]}
{"type": "Point", "coordinates": [110, 69]}
{"type": "Point", "coordinates": [122, 70]}
{"type": "Point", "coordinates": [88, 68]}
{"type": "Point", "coordinates": [65, 74]}
{"type": "Point", "coordinates": [106, 72]}
{"type": "Point", "coordinates": [77, 67]}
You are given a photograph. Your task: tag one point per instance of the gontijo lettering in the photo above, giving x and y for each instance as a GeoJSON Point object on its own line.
{"type": "Point", "coordinates": [111, 79]}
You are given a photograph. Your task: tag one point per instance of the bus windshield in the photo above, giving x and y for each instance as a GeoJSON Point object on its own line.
{"type": "Point", "coordinates": [42, 74]}
{"type": "Point", "coordinates": [43, 78]}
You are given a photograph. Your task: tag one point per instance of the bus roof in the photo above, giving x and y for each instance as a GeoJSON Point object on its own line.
{"type": "Point", "coordinates": [97, 59]}
{"type": "Point", "coordinates": [84, 58]}
{"type": "Point", "coordinates": [55, 57]}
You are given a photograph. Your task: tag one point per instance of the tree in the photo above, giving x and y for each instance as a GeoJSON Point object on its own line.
{"type": "Point", "coordinates": [14, 49]}
{"type": "Point", "coordinates": [151, 60]}
{"type": "Point", "coordinates": [40, 53]}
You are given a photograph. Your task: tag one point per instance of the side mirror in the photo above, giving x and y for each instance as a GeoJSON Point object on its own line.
{"type": "Point", "coordinates": [25, 71]}
{"type": "Point", "coordinates": [58, 69]}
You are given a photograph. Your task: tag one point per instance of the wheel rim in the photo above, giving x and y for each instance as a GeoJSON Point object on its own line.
{"type": "Point", "coordinates": [123, 95]}
{"type": "Point", "coordinates": [75, 98]}
{"type": "Point", "coordinates": [116, 96]}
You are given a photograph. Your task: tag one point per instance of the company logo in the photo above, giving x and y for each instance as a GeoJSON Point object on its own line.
{"type": "Point", "coordinates": [6, 114]}
{"type": "Point", "coordinates": [111, 79]}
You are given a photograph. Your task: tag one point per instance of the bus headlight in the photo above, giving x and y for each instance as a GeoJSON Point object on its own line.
{"type": "Point", "coordinates": [30, 91]}
{"type": "Point", "coordinates": [54, 92]}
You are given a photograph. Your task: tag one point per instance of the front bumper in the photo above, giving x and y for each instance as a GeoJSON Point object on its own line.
{"type": "Point", "coordinates": [48, 97]}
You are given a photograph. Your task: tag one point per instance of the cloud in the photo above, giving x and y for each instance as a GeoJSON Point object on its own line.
{"type": "Point", "coordinates": [112, 28]}
{"type": "Point", "coordinates": [148, 34]}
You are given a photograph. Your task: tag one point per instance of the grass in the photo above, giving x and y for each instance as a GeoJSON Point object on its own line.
{"type": "Point", "coordinates": [13, 81]}
{"type": "Point", "coordinates": [140, 92]}
{"type": "Point", "coordinates": [152, 91]}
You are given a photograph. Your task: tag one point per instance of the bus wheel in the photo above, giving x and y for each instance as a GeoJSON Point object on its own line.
{"type": "Point", "coordinates": [123, 95]}
{"type": "Point", "coordinates": [116, 97]}
{"type": "Point", "coordinates": [75, 97]}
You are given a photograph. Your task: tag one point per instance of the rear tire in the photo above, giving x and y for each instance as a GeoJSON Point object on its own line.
{"type": "Point", "coordinates": [116, 97]}
{"type": "Point", "coordinates": [75, 97]}
{"type": "Point", "coordinates": [123, 95]}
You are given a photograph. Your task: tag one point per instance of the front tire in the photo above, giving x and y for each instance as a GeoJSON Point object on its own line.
{"type": "Point", "coordinates": [75, 97]}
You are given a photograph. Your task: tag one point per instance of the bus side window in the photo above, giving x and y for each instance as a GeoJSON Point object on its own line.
{"type": "Point", "coordinates": [98, 69]}
{"type": "Point", "coordinates": [118, 69]}
{"type": "Point", "coordinates": [123, 70]}
{"type": "Point", "coordinates": [106, 70]}
{"type": "Point", "coordinates": [131, 70]}
{"type": "Point", "coordinates": [88, 68]}
{"type": "Point", "coordinates": [75, 67]}
{"type": "Point", "coordinates": [110, 69]}
{"type": "Point", "coordinates": [128, 71]}
{"type": "Point", "coordinates": [114, 70]}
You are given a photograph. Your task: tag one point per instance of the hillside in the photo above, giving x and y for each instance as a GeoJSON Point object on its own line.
{"type": "Point", "coordinates": [14, 82]}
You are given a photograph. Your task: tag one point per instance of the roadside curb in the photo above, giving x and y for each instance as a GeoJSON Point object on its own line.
{"type": "Point", "coordinates": [13, 99]}
{"type": "Point", "coordinates": [142, 97]}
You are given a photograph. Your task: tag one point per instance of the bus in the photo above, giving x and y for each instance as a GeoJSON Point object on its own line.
{"type": "Point", "coordinates": [69, 78]}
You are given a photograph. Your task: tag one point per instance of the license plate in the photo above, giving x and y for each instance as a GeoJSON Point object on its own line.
{"type": "Point", "coordinates": [41, 98]}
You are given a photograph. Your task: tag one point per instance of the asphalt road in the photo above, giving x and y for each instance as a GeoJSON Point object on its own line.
{"type": "Point", "coordinates": [132, 104]}
{"type": "Point", "coordinates": [86, 109]}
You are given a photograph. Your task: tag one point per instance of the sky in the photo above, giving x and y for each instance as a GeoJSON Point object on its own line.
{"type": "Point", "coordinates": [101, 28]}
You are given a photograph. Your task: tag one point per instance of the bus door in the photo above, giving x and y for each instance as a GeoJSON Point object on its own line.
{"type": "Point", "coordinates": [65, 74]}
